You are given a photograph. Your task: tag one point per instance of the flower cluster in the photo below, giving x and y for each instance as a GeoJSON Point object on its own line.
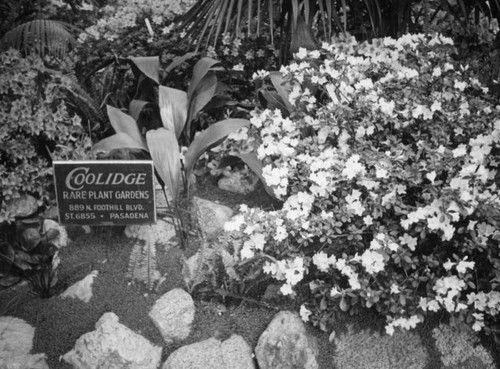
{"type": "Point", "coordinates": [388, 168]}
{"type": "Point", "coordinates": [124, 14]}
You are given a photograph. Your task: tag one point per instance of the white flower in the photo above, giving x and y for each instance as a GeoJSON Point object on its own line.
{"type": "Point", "coordinates": [239, 67]}
{"type": "Point", "coordinates": [463, 265]}
{"type": "Point", "coordinates": [304, 313]}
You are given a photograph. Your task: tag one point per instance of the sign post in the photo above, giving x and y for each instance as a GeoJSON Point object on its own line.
{"type": "Point", "coordinates": [105, 192]}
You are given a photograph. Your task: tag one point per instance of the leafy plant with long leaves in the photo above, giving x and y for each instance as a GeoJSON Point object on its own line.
{"type": "Point", "coordinates": [178, 110]}
{"type": "Point", "coordinates": [31, 256]}
{"type": "Point", "coordinates": [300, 21]}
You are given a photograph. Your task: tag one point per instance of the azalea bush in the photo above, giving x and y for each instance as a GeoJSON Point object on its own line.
{"type": "Point", "coordinates": [388, 171]}
{"type": "Point", "coordinates": [37, 126]}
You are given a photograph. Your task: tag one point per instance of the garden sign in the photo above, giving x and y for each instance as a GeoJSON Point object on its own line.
{"type": "Point", "coordinates": [105, 192]}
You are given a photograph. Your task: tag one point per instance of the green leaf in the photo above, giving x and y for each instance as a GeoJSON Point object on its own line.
{"type": "Point", "coordinates": [209, 138]}
{"type": "Point", "coordinates": [118, 141]}
{"type": "Point", "coordinates": [255, 165]}
{"type": "Point", "coordinates": [135, 108]}
{"type": "Point", "coordinates": [173, 109]}
{"type": "Point", "coordinates": [149, 65]}
{"type": "Point", "coordinates": [124, 123]}
{"type": "Point", "coordinates": [200, 70]}
{"type": "Point", "coordinates": [201, 97]}
{"type": "Point", "coordinates": [164, 151]}
{"type": "Point", "coordinates": [179, 60]}
{"type": "Point", "coordinates": [283, 89]}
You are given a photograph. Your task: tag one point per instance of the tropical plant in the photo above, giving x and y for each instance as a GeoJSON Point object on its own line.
{"type": "Point", "coordinates": [177, 110]}
{"type": "Point", "coordinates": [301, 21]}
{"type": "Point", "coordinates": [41, 37]}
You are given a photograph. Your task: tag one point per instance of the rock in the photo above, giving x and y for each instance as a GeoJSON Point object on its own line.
{"type": "Point", "coordinates": [36, 361]}
{"type": "Point", "coordinates": [60, 240]}
{"type": "Point", "coordinates": [285, 344]}
{"type": "Point", "coordinates": [238, 182]}
{"type": "Point", "coordinates": [52, 212]}
{"type": "Point", "coordinates": [16, 336]}
{"type": "Point", "coordinates": [16, 341]}
{"type": "Point", "coordinates": [212, 354]}
{"type": "Point", "coordinates": [173, 315]}
{"type": "Point", "coordinates": [82, 289]}
{"type": "Point", "coordinates": [22, 207]}
{"type": "Point", "coordinates": [211, 216]}
{"type": "Point", "coordinates": [113, 346]}
{"type": "Point", "coordinates": [30, 238]}
{"type": "Point", "coordinates": [161, 232]}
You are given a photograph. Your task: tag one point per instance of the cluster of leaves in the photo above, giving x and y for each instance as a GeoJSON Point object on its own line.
{"type": "Point", "coordinates": [388, 168]}
{"type": "Point", "coordinates": [37, 126]}
{"type": "Point", "coordinates": [27, 253]}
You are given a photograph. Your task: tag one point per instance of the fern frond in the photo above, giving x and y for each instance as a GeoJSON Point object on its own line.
{"type": "Point", "coordinates": [142, 265]}
{"type": "Point", "coordinates": [229, 263]}
{"type": "Point", "coordinates": [42, 37]}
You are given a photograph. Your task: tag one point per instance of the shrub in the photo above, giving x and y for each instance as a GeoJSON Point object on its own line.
{"type": "Point", "coordinates": [370, 350]}
{"type": "Point", "coordinates": [388, 169]}
{"type": "Point", "coordinates": [36, 126]}
{"type": "Point", "coordinates": [460, 348]}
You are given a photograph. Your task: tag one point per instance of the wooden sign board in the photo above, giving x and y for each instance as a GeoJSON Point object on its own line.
{"type": "Point", "coordinates": [105, 192]}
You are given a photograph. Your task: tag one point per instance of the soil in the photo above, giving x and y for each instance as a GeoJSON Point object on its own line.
{"type": "Point", "coordinates": [60, 322]}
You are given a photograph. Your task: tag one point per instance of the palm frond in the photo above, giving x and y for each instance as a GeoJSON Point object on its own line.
{"type": "Point", "coordinates": [42, 37]}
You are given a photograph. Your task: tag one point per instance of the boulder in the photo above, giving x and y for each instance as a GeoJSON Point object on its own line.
{"type": "Point", "coordinates": [211, 216]}
{"type": "Point", "coordinates": [62, 239]}
{"type": "Point", "coordinates": [212, 354]}
{"type": "Point", "coordinates": [285, 344]}
{"type": "Point", "coordinates": [161, 232]}
{"type": "Point", "coordinates": [16, 336]}
{"type": "Point", "coordinates": [173, 315]}
{"type": "Point", "coordinates": [113, 346]}
{"type": "Point", "coordinates": [238, 182]}
{"type": "Point", "coordinates": [82, 289]}
{"type": "Point", "coordinates": [22, 207]}
{"type": "Point", "coordinates": [16, 341]}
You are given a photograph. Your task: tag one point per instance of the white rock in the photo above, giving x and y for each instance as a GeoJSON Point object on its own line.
{"type": "Point", "coordinates": [238, 182]}
{"type": "Point", "coordinates": [62, 239]}
{"type": "Point", "coordinates": [36, 361]}
{"type": "Point", "coordinates": [82, 289]}
{"type": "Point", "coordinates": [211, 216]}
{"type": "Point", "coordinates": [173, 315]}
{"type": "Point", "coordinates": [113, 346]}
{"type": "Point", "coordinates": [161, 232]}
{"type": "Point", "coordinates": [212, 354]}
{"type": "Point", "coordinates": [16, 336]}
{"type": "Point", "coordinates": [286, 344]}
{"type": "Point", "coordinates": [16, 341]}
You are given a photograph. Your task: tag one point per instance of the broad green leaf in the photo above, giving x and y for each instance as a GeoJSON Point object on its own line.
{"type": "Point", "coordinates": [199, 71]}
{"type": "Point", "coordinates": [282, 89]}
{"type": "Point", "coordinates": [173, 109]}
{"type": "Point", "coordinates": [124, 123]}
{"type": "Point", "coordinates": [135, 108]}
{"type": "Point", "coordinates": [119, 140]}
{"type": "Point", "coordinates": [149, 65]}
{"type": "Point", "coordinates": [164, 151]}
{"type": "Point", "coordinates": [274, 101]}
{"type": "Point", "coordinates": [255, 165]}
{"type": "Point", "coordinates": [179, 60]}
{"type": "Point", "coordinates": [201, 97]}
{"type": "Point", "coordinates": [209, 138]}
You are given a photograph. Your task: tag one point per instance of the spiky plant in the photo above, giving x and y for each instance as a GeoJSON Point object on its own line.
{"type": "Point", "coordinates": [42, 37]}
